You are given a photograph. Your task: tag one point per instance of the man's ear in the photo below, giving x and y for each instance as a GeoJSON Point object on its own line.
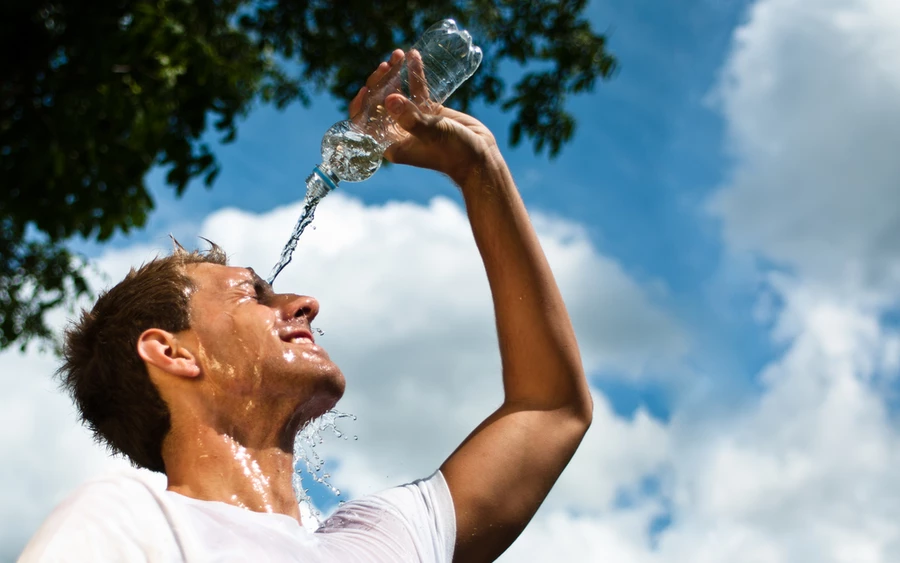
{"type": "Point", "coordinates": [162, 349]}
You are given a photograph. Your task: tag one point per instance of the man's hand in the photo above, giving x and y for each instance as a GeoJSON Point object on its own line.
{"type": "Point", "coordinates": [501, 473]}
{"type": "Point", "coordinates": [444, 140]}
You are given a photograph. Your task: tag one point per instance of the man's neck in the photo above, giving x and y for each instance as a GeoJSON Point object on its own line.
{"type": "Point", "coordinates": [208, 464]}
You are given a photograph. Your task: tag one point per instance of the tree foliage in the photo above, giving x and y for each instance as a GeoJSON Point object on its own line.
{"type": "Point", "coordinates": [95, 93]}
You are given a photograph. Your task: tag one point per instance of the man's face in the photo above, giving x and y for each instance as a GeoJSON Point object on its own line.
{"type": "Point", "coordinates": [254, 344]}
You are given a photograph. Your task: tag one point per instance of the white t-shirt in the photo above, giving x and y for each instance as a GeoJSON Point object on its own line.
{"type": "Point", "coordinates": [124, 518]}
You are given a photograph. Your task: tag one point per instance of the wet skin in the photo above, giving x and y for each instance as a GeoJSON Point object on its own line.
{"type": "Point", "coordinates": [239, 384]}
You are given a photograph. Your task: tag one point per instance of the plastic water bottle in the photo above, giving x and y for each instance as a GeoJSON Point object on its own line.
{"type": "Point", "coordinates": [352, 150]}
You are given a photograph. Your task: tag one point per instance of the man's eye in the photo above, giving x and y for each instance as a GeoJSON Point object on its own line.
{"type": "Point", "coordinates": [260, 291]}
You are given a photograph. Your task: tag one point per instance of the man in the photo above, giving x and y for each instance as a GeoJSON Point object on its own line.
{"type": "Point", "coordinates": [199, 370]}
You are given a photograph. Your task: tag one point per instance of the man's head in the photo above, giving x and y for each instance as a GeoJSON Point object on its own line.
{"type": "Point", "coordinates": [188, 327]}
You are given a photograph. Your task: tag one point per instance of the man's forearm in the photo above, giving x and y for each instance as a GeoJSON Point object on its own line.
{"type": "Point", "coordinates": [541, 364]}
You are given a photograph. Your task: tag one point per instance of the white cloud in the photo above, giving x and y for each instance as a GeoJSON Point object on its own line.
{"type": "Point", "coordinates": [808, 472]}
{"type": "Point", "coordinates": [615, 537]}
{"type": "Point", "coordinates": [811, 99]}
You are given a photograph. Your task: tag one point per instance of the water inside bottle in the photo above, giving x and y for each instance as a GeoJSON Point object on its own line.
{"type": "Point", "coordinates": [352, 155]}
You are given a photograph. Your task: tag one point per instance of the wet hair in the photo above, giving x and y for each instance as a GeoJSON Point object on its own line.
{"type": "Point", "coordinates": [102, 370]}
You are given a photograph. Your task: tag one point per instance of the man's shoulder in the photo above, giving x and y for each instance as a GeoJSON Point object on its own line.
{"type": "Point", "coordinates": [117, 494]}
{"type": "Point", "coordinates": [103, 513]}
{"type": "Point", "coordinates": [121, 482]}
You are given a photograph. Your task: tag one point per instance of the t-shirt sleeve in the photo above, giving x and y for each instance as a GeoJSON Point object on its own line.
{"type": "Point", "coordinates": [115, 519]}
{"type": "Point", "coordinates": [411, 523]}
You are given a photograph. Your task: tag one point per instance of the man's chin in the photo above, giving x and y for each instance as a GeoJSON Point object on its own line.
{"type": "Point", "coordinates": [329, 388]}
{"type": "Point", "coordinates": [310, 410]}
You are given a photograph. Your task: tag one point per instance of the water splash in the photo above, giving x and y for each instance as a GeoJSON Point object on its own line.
{"type": "Point", "coordinates": [307, 459]}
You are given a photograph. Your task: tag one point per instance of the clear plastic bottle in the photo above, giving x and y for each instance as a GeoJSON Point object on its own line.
{"type": "Point", "coordinates": [352, 150]}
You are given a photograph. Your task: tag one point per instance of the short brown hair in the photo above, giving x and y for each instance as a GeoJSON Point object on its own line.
{"type": "Point", "coordinates": [102, 370]}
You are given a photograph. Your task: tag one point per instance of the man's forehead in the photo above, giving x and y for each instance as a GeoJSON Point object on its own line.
{"type": "Point", "coordinates": [216, 276]}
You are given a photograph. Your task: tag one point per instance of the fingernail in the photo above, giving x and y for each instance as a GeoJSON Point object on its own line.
{"type": "Point", "coordinates": [394, 105]}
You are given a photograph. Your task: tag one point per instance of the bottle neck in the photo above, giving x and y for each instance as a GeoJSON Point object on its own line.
{"type": "Point", "coordinates": [320, 182]}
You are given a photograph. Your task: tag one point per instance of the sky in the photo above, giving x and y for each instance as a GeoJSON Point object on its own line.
{"type": "Point", "coordinates": [723, 230]}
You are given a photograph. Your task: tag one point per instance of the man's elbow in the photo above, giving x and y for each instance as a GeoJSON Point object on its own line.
{"type": "Point", "coordinates": [580, 409]}
{"type": "Point", "coordinates": [584, 411]}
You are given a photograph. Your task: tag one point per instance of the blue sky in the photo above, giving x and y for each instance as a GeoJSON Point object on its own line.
{"type": "Point", "coordinates": [723, 227]}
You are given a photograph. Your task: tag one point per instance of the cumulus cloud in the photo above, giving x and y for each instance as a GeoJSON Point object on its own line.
{"type": "Point", "coordinates": [806, 474]}
{"type": "Point", "coordinates": [407, 314]}
{"type": "Point", "coordinates": [810, 99]}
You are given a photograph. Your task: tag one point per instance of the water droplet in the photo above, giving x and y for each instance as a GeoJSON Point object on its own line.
{"type": "Point", "coordinates": [355, 437]}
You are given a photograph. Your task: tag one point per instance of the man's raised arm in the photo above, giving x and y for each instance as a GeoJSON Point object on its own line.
{"type": "Point", "coordinates": [501, 473]}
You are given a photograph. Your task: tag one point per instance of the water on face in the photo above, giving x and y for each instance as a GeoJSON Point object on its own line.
{"type": "Point", "coordinates": [307, 459]}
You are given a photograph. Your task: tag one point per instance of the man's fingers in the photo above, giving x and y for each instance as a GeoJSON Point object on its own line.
{"type": "Point", "coordinates": [418, 86]}
{"type": "Point", "coordinates": [384, 68]}
{"type": "Point", "coordinates": [356, 104]}
{"type": "Point", "coordinates": [379, 73]}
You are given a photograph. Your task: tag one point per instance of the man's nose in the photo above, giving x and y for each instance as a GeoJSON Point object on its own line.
{"type": "Point", "coordinates": [300, 305]}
